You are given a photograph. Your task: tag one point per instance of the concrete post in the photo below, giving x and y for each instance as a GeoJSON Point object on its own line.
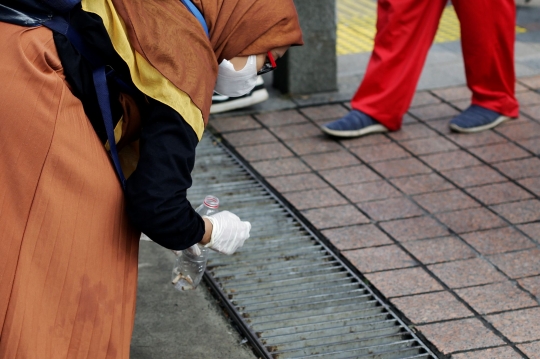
{"type": "Point", "coordinates": [311, 68]}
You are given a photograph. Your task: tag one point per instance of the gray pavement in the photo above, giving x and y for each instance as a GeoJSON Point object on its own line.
{"type": "Point", "coordinates": [174, 325]}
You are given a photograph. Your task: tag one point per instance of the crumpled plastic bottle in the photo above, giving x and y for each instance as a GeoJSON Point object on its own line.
{"type": "Point", "coordinates": [190, 263]}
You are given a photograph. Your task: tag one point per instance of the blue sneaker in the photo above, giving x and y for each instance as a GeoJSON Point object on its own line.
{"type": "Point", "coordinates": [475, 119]}
{"type": "Point", "coordinates": [354, 124]}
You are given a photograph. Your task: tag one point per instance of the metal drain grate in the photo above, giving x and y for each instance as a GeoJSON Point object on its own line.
{"type": "Point", "coordinates": [289, 293]}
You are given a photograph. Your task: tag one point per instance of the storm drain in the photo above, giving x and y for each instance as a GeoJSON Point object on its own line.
{"type": "Point", "coordinates": [288, 292]}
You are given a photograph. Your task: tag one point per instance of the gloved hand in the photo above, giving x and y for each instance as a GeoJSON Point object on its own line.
{"type": "Point", "coordinates": [229, 233]}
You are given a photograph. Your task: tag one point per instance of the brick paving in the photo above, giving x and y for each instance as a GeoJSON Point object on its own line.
{"type": "Point", "coordinates": [445, 226]}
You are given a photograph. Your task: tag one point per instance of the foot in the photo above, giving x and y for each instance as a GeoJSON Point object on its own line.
{"type": "Point", "coordinates": [354, 124]}
{"type": "Point", "coordinates": [475, 119]}
{"type": "Point", "coordinates": [221, 103]}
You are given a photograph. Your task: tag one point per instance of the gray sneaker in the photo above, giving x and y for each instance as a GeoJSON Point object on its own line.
{"type": "Point", "coordinates": [354, 124]}
{"type": "Point", "coordinates": [475, 119]}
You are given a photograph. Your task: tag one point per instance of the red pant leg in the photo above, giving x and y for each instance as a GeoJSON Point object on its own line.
{"type": "Point", "coordinates": [487, 40]}
{"type": "Point", "coordinates": [405, 32]}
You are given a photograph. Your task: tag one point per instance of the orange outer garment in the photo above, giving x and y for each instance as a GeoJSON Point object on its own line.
{"type": "Point", "coordinates": [172, 40]}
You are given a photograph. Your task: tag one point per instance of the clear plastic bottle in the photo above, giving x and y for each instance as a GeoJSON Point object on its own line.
{"type": "Point", "coordinates": [190, 263]}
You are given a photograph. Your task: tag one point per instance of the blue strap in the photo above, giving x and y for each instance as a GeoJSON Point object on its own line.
{"type": "Point", "coordinates": [193, 9]}
{"type": "Point", "coordinates": [102, 92]}
{"type": "Point", "coordinates": [61, 25]}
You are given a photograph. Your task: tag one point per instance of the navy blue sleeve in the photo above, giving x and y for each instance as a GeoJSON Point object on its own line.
{"type": "Point", "coordinates": [156, 191]}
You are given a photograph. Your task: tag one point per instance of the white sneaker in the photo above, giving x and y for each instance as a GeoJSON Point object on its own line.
{"type": "Point", "coordinates": [221, 103]}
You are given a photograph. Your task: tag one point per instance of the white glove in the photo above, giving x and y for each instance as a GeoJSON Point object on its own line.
{"type": "Point", "coordinates": [229, 233]}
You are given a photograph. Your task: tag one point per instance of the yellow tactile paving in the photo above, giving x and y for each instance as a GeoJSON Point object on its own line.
{"type": "Point", "coordinates": [357, 19]}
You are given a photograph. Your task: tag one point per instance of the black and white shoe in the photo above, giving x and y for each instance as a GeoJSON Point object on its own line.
{"type": "Point", "coordinates": [221, 103]}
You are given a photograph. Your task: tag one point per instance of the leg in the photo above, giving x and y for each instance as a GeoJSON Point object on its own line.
{"type": "Point", "coordinates": [405, 32]}
{"type": "Point", "coordinates": [488, 36]}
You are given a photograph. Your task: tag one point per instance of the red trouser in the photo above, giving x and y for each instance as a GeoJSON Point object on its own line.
{"type": "Point", "coordinates": [405, 32]}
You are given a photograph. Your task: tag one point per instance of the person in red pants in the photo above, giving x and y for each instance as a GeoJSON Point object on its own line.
{"type": "Point", "coordinates": [405, 32]}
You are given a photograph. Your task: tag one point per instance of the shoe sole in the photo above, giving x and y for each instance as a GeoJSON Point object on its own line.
{"type": "Point", "coordinates": [355, 133]}
{"type": "Point", "coordinates": [495, 123]}
{"type": "Point", "coordinates": [256, 97]}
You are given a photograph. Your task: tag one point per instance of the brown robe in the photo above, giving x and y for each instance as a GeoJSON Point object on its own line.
{"type": "Point", "coordinates": [237, 27]}
{"type": "Point", "coordinates": [68, 257]}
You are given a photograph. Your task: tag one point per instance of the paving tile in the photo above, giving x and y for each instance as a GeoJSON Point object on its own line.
{"type": "Point", "coordinates": [532, 284]}
{"type": "Point", "coordinates": [377, 153]}
{"type": "Point", "coordinates": [431, 307]}
{"type": "Point", "coordinates": [441, 126]}
{"type": "Point", "coordinates": [505, 352]}
{"type": "Point", "coordinates": [518, 326]}
{"type": "Point", "coordinates": [429, 251]}
{"type": "Point", "coordinates": [466, 273]}
{"type": "Point", "coordinates": [296, 132]}
{"type": "Point", "coordinates": [376, 259]}
{"type": "Point", "coordinates": [401, 168]}
{"type": "Point", "coordinates": [324, 161]}
{"type": "Point", "coordinates": [517, 169]}
{"type": "Point", "coordinates": [469, 140]}
{"type": "Point", "coordinates": [254, 137]}
{"type": "Point", "coordinates": [531, 349]}
{"type": "Point", "coordinates": [355, 237]}
{"type": "Point", "coordinates": [424, 98]}
{"type": "Point", "coordinates": [422, 184]}
{"type": "Point", "coordinates": [411, 132]}
{"type": "Point", "coordinates": [528, 98]}
{"type": "Point", "coordinates": [281, 118]}
{"type": "Point", "coordinates": [315, 198]}
{"type": "Point", "coordinates": [532, 230]}
{"type": "Point", "coordinates": [412, 229]}
{"type": "Point", "coordinates": [499, 152]}
{"type": "Point", "coordinates": [314, 144]}
{"type": "Point", "coordinates": [463, 334]}
{"type": "Point", "coordinates": [461, 104]}
{"type": "Point", "coordinates": [349, 175]}
{"type": "Point", "coordinates": [470, 220]}
{"type": "Point", "coordinates": [298, 182]}
{"type": "Point", "coordinates": [496, 241]}
{"type": "Point", "coordinates": [264, 152]}
{"type": "Point", "coordinates": [530, 81]}
{"type": "Point", "coordinates": [364, 192]}
{"type": "Point", "coordinates": [519, 132]}
{"type": "Point", "coordinates": [392, 208]}
{"type": "Point", "coordinates": [429, 145]}
{"type": "Point", "coordinates": [325, 112]}
{"type": "Point", "coordinates": [450, 160]}
{"type": "Point", "coordinates": [454, 93]}
{"type": "Point", "coordinates": [532, 110]}
{"type": "Point", "coordinates": [445, 201]}
{"type": "Point", "coordinates": [532, 184]}
{"type": "Point", "coordinates": [432, 112]}
{"type": "Point", "coordinates": [474, 176]}
{"type": "Point", "coordinates": [532, 145]}
{"type": "Point", "coordinates": [496, 297]}
{"type": "Point", "coordinates": [402, 282]}
{"type": "Point", "coordinates": [371, 140]}
{"type": "Point", "coordinates": [330, 217]}
{"type": "Point", "coordinates": [519, 212]}
{"type": "Point", "coordinates": [499, 193]}
{"type": "Point", "coordinates": [520, 264]}
{"type": "Point", "coordinates": [407, 119]}
{"type": "Point", "coordinates": [229, 124]}
{"type": "Point", "coordinates": [281, 167]}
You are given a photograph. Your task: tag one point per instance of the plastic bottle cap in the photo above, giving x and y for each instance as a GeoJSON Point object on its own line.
{"type": "Point", "coordinates": [211, 202]}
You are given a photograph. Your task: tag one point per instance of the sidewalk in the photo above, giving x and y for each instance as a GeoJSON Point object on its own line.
{"type": "Point", "coordinates": [446, 226]}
